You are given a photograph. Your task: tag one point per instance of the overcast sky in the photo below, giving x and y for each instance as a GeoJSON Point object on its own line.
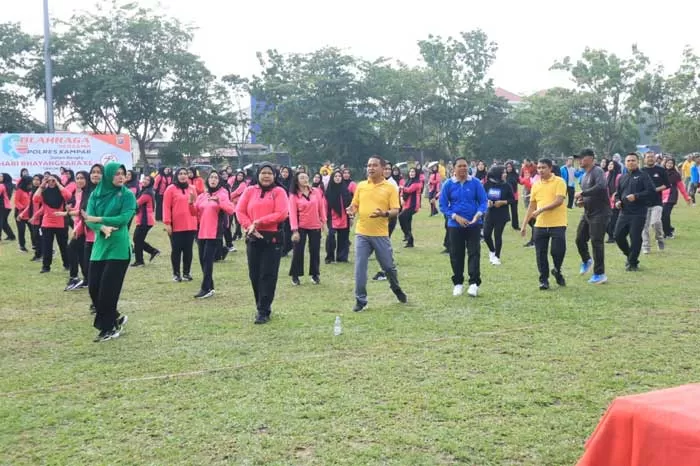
{"type": "Point", "coordinates": [530, 34]}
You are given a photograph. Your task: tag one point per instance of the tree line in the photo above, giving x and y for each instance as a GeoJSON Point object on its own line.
{"type": "Point", "coordinates": [126, 68]}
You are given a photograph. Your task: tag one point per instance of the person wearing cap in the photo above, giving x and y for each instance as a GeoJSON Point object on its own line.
{"type": "Point", "coordinates": [593, 197]}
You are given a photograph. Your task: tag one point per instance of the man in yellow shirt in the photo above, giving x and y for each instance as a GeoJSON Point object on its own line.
{"type": "Point", "coordinates": [685, 170]}
{"type": "Point", "coordinates": [375, 201]}
{"type": "Point", "coordinates": [547, 207]}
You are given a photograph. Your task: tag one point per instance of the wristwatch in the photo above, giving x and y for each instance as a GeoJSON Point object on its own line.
{"type": "Point", "coordinates": [386, 214]}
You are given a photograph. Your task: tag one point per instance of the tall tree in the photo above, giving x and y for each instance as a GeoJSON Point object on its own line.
{"type": "Point", "coordinates": [17, 50]}
{"type": "Point", "coordinates": [604, 87]}
{"type": "Point", "coordinates": [127, 68]}
{"type": "Point", "coordinates": [681, 133]}
{"type": "Point", "coordinates": [463, 94]}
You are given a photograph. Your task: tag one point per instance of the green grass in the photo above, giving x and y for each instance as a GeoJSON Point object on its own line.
{"type": "Point", "coordinates": [516, 376]}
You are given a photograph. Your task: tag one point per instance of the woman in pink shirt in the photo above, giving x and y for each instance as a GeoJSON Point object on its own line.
{"type": "Point", "coordinates": [53, 197]}
{"type": "Point", "coordinates": [410, 194]}
{"type": "Point", "coordinates": [434, 188]}
{"type": "Point", "coordinates": [31, 215]}
{"type": "Point", "coordinates": [6, 190]}
{"type": "Point", "coordinates": [145, 204]}
{"type": "Point", "coordinates": [96, 173]}
{"type": "Point", "coordinates": [338, 199]}
{"type": "Point", "coordinates": [347, 179]}
{"type": "Point", "coordinates": [164, 178]}
{"type": "Point", "coordinates": [212, 209]}
{"type": "Point", "coordinates": [76, 245]}
{"type": "Point", "coordinates": [180, 223]}
{"type": "Point", "coordinates": [237, 187]}
{"type": "Point", "coordinates": [23, 197]}
{"type": "Point", "coordinates": [307, 216]}
{"type": "Point", "coordinates": [261, 210]}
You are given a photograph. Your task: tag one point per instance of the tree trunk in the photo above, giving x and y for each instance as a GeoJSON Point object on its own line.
{"type": "Point", "coordinates": [142, 152]}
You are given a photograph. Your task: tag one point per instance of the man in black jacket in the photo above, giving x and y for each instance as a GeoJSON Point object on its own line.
{"type": "Point", "coordinates": [633, 195]}
{"type": "Point", "coordinates": [594, 221]}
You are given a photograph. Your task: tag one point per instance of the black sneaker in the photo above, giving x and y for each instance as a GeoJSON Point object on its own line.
{"type": "Point", "coordinates": [409, 245]}
{"type": "Point", "coordinates": [203, 294]}
{"type": "Point", "coordinates": [106, 336]}
{"type": "Point", "coordinates": [93, 309]}
{"type": "Point", "coordinates": [445, 251]}
{"type": "Point", "coordinates": [559, 277]}
{"type": "Point", "coordinates": [359, 307]}
{"type": "Point", "coordinates": [153, 256]}
{"type": "Point", "coordinates": [544, 286]}
{"type": "Point", "coordinates": [138, 264]}
{"type": "Point", "coordinates": [177, 278]}
{"type": "Point", "coordinates": [400, 295]}
{"type": "Point", "coordinates": [186, 277]}
{"type": "Point", "coordinates": [83, 284]}
{"type": "Point", "coordinates": [661, 245]}
{"type": "Point", "coordinates": [529, 244]}
{"type": "Point", "coordinates": [316, 280]}
{"type": "Point", "coordinates": [631, 268]}
{"type": "Point", "coordinates": [379, 276]}
{"type": "Point", "coordinates": [66, 267]}
{"type": "Point", "coordinates": [23, 250]}
{"type": "Point", "coordinates": [121, 322]}
{"type": "Point", "coordinates": [295, 281]}
{"type": "Point", "coordinates": [261, 319]}
{"type": "Point", "coordinates": [610, 241]}
{"type": "Point", "coordinates": [329, 261]}
{"type": "Point", "coordinates": [35, 259]}
{"type": "Point", "coordinates": [45, 270]}
{"type": "Point", "coordinates": [73, 283]}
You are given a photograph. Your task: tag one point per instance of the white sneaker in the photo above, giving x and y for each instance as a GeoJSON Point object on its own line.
{"type": "Point", "coordinates": [492, 257]}
{"type": "Point", "coordinates": [458, 290]}
{"type": "Point", "coordinates": [473, 290]}
{"type": "Point", "coordinates": [495, 260]}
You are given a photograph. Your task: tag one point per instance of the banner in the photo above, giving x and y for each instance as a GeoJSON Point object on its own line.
{"type": "Point", "coordinates": [40, 153]}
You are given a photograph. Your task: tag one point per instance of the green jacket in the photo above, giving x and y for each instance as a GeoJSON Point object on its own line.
{"type": "Point", "coordinates": [116, 206]}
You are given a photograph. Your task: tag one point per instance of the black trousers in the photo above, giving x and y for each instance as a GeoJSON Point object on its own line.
{"type": "Point", "coordinates": [208, 250]}
{"type": "Point", "coordinates": [5, 222]}
{"type": "Point", "coordinates": [181, 243]}
{"type": "Point", "coordinates": [570, 191]}
{"type": "Point", "coordinates": [406, 222]}
{"type": "Point", "coordinates": [286, 238]}
{"type": "Point", "coordinates": [446, 239]}
{"type": "Point", "coordinates": [495, 229]}
{"type": "Point", "coordinates": [338, 245]}
{"type": "Point", "coordinates": [105, 285]}
{"type": "Point", "coordinates": [140, 244]}
{"type": "Point", "coordinates": [159, 207]}
{"type": "Point", "coordinates": [297, 267]}
{"type": "Point", "coordinates": [21, 231]}
{"type": "Point", "coordinates": [264, 256]}
{"type": "Point", "coordinates": [228, 235]}
{"type": "Point", "coordinates": [665, 219]}
{"type": "Point", "coordinates": [631, 225]}
{"type": "Point", "coordinates": [238, 234]}
{"type": "Point", "coordinates": [76, 255]}
{"type": "Point", "coordinates": [612, 222]}
{"type": "Point", "coordinates": [514, 220]}
{"type": "Point", "coordinates": [392, 225]}
{"type": "Point", "coordinates": [61, 235]}
{"type": "Point", "coordinates": [465, 240]}
{"type": "Point", "coordinates": [433, 205]}
{"type": "Point", "coordinates": [542, 237]}
{"type": "Point", "coordinates": [35, 233]}
{"type": "Point", "coordinates": [87, 252]}
{"type": "Point", "coordinates": [592, 229]}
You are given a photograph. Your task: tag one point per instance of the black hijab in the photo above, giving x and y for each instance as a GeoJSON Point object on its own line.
{"type": "Point", "coordinates": [134, 183]}
{"type": "Point", "coordinates": [25, 183]}
{"type": "Point", "coordinates": [176, 180]}
{"type": "Point", "coordinates": [216, 188]}
{"type": "Point", "coordinates": [337, 194]}
{"type": "Point", "coordinates": [52, 197]}
{"type": "Point", "coordinates": [237, 183]}
{"type": "Point", "coordinates": [285, 183]}
{"type": "Point", "coordinates": [277, 179]}
{"type": "Point", "coordinates": [612, 177]}
{"type": "Point", "coordinates": [7, 181]}
{"type": "Point", "coordinates": [89, 186]}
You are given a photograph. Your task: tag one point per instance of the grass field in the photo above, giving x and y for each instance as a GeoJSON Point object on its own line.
{"type": "Point", "coordinates": [516, 376]}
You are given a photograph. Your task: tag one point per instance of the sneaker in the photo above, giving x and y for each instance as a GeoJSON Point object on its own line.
{"type": "Point", "coordinates": [177, 278]}
{"type": "Point", "coordinates": [359, 307]}
{"type": "Point", "coordinates": [671, 236]}
{"type": "Point", "coordinates": [35, 259]}
{"type": "Point", "coordinates": [106, 336]}
{"type": "Point", "coordinates": [295, 281]}
{"type": "Point", "coordinates": [585, 267]}
{"type": "Point", "coordinates": [316, 280]}
{"type": "Point", "coordinates": [153, 256]}
{"type": "Point", "coordinates": [646, 251]}
{"type": "Point", "coordinates": [529, 244]}
{"type": "Point", "coordinates": [83, 284]}
{"type": "Point", "coordinates": [121, 322]}
{"type": "Point", "coordinates": [458, 290]}
{"type": "Point", "coordinates": [409, 245]}
{"type": "Point", "coordinates": [93, 310]}
{"type": "Point", "coordinates": [559, 277]}
{"type": "Point", "coordinates": [631, 268]}
{"type": "Point", "coordinates": [445, 251]}
{"type": "Point", "coordinates": [232, 249]}
{"type": "Point", "coordinates": [203, 294]}
{"type": "Point", "coordinates": [400, 295]}
{"type": "Point", "coordinates": [328, 261]}
{"type": "Point", "coordinates": [72, 283]}
{"type": "Point", "coordinates": [45, 270]}
{"type": "Point", "coordinates": [261, 319]}
{"type": "Point", "coordinates": [379, 276]}
{"type": "Point", "coordinates": [598, 279]}
{"type": "Point", "coordinates": [544, 286]}
{"type": "Point", "coordinates": [610, 241]}
{"type": "Point", "coordinates": [137, 264]}
{"type": "Point", "coordinates": [186, 277]}
{"type": "Point", "coordinates": [473, 290]}
{"type": "Point", "coordinates": [661, 245]}
{"type": "Point", "coordinates": [492, 256]}
{"type": "Point", "coordinates": [24, 250]}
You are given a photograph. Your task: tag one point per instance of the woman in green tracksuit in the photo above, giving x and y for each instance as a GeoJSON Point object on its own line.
{"type": "Point", "coordinates": [110, 208]}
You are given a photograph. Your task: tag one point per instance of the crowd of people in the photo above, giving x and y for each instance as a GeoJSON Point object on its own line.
{"type": "Point", "coordinates": [89, 216]}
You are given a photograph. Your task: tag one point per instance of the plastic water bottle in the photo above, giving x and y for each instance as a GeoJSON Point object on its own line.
{"type": "Point", "coordinates": [338, 327]}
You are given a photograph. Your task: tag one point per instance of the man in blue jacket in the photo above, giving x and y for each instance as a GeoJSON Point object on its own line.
{"type": "Point", "coordinates": [463, 201]}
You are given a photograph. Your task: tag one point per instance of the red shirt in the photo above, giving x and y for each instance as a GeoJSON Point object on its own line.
{"type": "Point", "coordinates": [208, 213]}
{"type": "Point", "coordinates": [22, 199]}
{"type": "Point", "coordinates": [49, 220]}
{"type": "Point", "coordinates": [269, 210]}
{"type": "Point", "coordinates": [238, 192]}
{"type": "Point", "coordinates": [176, 209]}
{"type": "Point", "coordinates": [144, 203]}
{"type": "Point", "coordinates": [338, 222]}
{"type": "Point", "coordinates": [434, 182]}
{"type": "Point", "coordinates": [78, 223]}
{"type": "Point", "coordinates": [308, 213]}
{"type": "Point", "coordinates": [161, 183]}
{"type": "Point", "coordinates": [6, 199]}
{"type": "Point", "coordinates": [198, 184]}
{"type": "Point", "coordinates": [71, 187]}
{"type": "Point", "coordinates": [411, 196]}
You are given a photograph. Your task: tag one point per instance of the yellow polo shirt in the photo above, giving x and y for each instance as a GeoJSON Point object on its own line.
{"type": "Point", "coordinates": [544, 193]}
{"type": "Point", "coordinates": [369, 197]}
{"type": "Point", "coordinates": [685, 169]}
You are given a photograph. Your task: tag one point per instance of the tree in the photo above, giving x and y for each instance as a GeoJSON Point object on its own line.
{"type": "Point", "coordinates": [127, 68]}
{"type": "Point", "coordinates": [605, 84]}
{"type": "Point", "coordinates": [17, 50]}
{"type": "Point", "coordinates": [239, 91]}
{"type": "Point", "coordinates": [681, 132]}
{"type": "Point", "coordinates": [458, 68]}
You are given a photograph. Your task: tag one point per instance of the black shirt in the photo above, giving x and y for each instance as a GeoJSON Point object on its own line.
{"type": "Point", "coordinates": [594, 191]}
{"type": "Point", "coordinates": [659, 177]}
{"type": "Point", "coordinates": [639, 184]}
{"type": "Point", "coordinates": [499, 192]}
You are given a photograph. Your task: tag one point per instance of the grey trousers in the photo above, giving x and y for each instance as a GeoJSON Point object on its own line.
{"type": "Point", "coordinates": [653, 221]}
{"type": "Point", "coordinates": [381, 246]}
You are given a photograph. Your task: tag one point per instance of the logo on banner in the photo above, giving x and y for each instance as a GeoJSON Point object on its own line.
{"type": "Point", "coordinates": [106, 158]}
{"type": "Point", "coordinates": [12, 146]}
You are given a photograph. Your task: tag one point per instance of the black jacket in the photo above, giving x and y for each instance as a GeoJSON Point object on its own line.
{"type": "Point", "coordinates": [639, 184]}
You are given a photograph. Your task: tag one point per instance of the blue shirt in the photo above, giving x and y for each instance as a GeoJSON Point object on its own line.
{"type": "Point", "coordinates": [465, 199]}
{"type": "Point", "coordinates": [695, 174]}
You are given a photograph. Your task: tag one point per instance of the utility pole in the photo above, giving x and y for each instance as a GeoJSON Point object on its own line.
{"type": "Point", "coordinates": [48, 72]}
